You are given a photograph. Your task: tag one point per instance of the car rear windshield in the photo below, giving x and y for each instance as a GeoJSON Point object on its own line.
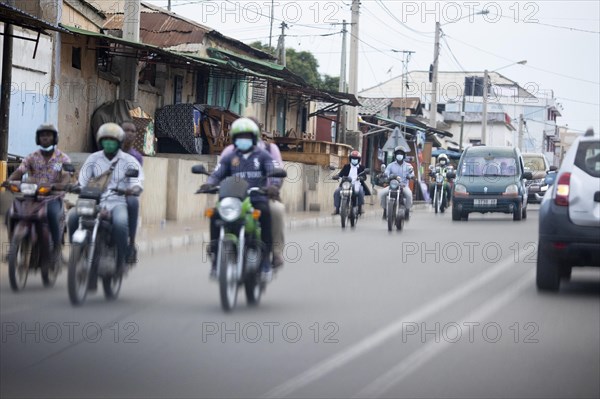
{"type": "Point", "coordinates": [488, 166]}
{"type": "Point", "coordinates": [588, 157]}
{"type": "Point", "coordinates": [535, 164]}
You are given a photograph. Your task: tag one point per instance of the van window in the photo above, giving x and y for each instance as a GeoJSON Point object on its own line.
{"type": "Point", "coordinates": [488, 166]}
{"type": "Point", "coordinates": [535, 164]}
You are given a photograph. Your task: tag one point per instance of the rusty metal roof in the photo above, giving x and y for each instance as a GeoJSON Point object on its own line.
{"type": "Point", "coordinates": [409, 102]}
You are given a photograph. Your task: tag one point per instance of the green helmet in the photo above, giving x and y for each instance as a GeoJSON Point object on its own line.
{"type": "Point", "coordinates": [244, 125]}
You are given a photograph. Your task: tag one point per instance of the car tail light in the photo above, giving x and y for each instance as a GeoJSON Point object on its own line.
{"type": "Point", "coordinates": [562, 190]}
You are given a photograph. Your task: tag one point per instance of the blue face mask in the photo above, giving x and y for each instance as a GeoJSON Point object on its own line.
{"type": "Point", "coordinates": [354, 162]}
{"type": "Point", "coordinates": [243, 144]}
{"type": "Point", "coordinates": [399, 157]}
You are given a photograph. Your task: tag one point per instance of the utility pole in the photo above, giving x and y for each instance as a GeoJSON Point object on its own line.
{"type": "Point", "coordinates": [434, 77]}
{"type": "Point", "coordinates": [485, 103]}
{"type": "Point", "coordinates": [405, 60]}
{"type": "Point", "coordinates": [462, 120]}
{"type": "Point", "coordinates": [169, 6]}
{"type": "Point", "coordinates": [271, 25]}
{"type": "Point", "coordinates": [7, 65]}
{"type": "Point", "coordinates": [281, 44]}
{"type": "Point", "coordinates": [131, 31]}
{"type": "Point", "coordinates": [352, 121]}
{"type": "Point", "coordinates": [521, 123]}
{"type": "Point", "coordinates": [342, 88]}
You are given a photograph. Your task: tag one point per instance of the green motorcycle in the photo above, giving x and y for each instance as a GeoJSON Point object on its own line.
{"type": "Point", "coordinates": [240, 249]}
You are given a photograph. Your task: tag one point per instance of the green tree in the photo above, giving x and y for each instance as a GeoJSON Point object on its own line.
{"type": "Point", "coordinates": [305, 65]}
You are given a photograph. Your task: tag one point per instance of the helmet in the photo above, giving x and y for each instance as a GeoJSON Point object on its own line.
{"type": "Point", "coordinates": [110, 131]}
{"type": "Point", "coordinates": [244, 125]}
{"type": "Point", "coordinates": [399, 149]}
{"type": "Point", "coordinates": [355, 155]}
{"type": "Point", "coordinates": [46, 127]}
{"type": "Point", "coordinates": [443, 157]}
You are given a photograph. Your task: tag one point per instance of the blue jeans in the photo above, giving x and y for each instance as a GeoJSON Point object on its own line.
{"type": "Point", "coordinates": [133, 209]}
{"type": "Point", "coordinates": [120, 229]}
{"type": "Point", "coordinates": [54, 209]}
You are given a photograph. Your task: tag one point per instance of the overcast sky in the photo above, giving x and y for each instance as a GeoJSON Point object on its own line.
{"type": "Point", "coordinates": [559, 39]}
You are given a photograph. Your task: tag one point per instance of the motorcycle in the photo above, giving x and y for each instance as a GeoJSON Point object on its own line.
{"type": "Point", "coordinates": [30, 239]}
{"type": "Point", "coordinates": [93, 253]}
{"type": "Point", "coordinates": [396, 212]}
{"type": "Point", "coordinates": [240, 249]}
{"type": "Point", "coordinates": [349, 197]}
{"type": "Point", "coordinates": [440, 196]}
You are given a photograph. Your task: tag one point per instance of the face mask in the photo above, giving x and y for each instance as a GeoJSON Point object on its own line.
{"type": "Point", "coordinates": [110, 146]}
{"type": "Point", "coordinates": [399, 157]}
{"type": "Point", "coordinates": [354, 162]}
{"type": "Point", "coordinates": [47, 149]}
{"type": "Point", "coordinates": [243, 144]}
{"type": "Point", "coordinates": [442, 162]}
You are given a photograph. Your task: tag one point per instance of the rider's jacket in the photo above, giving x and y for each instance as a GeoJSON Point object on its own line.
{"type": "Point", "coordinates": [41, 171]}
{"type": "Point", "coordinates": [252, 167]}
{"type": "Point", "coordinates": [403, 171]}
{"type": "Point", "coordinates": [97, 164]}
{"type": "Point", "coordinates": [353, 172]}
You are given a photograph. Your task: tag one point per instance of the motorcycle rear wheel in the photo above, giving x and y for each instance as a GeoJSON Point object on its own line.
{"type": "Point", "coordinates": [112, 286]}
{"type": "Point", "coordinates": [19, 262]}
{"type": "Point", "coordinates": [228, 285]}
{"type": "Point", "coordinates": [78, 274]}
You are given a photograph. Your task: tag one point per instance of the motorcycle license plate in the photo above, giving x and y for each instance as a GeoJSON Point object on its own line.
{"type": "Point", "coordinates": [484, 202]}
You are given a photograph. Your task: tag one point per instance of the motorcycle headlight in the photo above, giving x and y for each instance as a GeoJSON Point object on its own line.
{"type": "Point", "coordinates": [394, 184]}
{"type": "Point", "coordinates": [86, 207]}
{"type": "Point", "coordinates": [511, 189]}
{"type": "Point", "coordinates": [28, 188]}
{"type": "Point", "coordinates": [439, 178]}
{"type": "Point", "coordinates": [230, 209]}
{"type": "Point", "coordinates": [346, 185]}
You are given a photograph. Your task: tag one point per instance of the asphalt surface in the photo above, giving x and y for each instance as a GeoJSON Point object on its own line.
{"type": "Point", "coordinates": [441, 309]}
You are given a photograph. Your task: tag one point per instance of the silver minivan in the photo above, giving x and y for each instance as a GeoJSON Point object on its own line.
{"type": "Point", "coordinates": [539, 166]}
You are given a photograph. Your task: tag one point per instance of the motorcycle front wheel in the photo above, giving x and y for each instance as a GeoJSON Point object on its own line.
{"type": "Point", "coordinates": [391, 214]}
{"type": "Point", "coordinates": [19, 260]}
{"type": "Point", "coordinates": [436, 200]}
{"type": "Point", "coordinates": [228, 285]}
{"type": "Point", "coordinates": [78, 273]}
{"type": "Point", "coordinates": [344, 213]}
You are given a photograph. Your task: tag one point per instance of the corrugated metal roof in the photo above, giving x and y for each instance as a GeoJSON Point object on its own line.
{"type": "Point", "coordinates": [372, 106]}
{"type": "Point", "coordinates": [408, 102]}
{"type": "Point", "coordinates": [15, 16]}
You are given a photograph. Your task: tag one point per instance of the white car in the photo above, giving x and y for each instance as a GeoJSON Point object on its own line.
{"type": "Point", "coordinates": [569, 227]}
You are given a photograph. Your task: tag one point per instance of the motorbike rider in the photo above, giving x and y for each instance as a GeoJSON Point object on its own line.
{"type": "Point", "coordinates": [252, 164]}
{"type": "Point", "coordinates": [133, 201]}
{"type": "Point", "coordinates": [352, 170]}
{"type": "Point", "coordinates": [276, 207]}
{"type": "Point", "coordinates": [112, 160]}
{"type": "Point", "coordinates": [404, 171]}
{"type": "Point", "coordinates": [45, 166]}
{"type": "Point", "coordinates": [442, 166]}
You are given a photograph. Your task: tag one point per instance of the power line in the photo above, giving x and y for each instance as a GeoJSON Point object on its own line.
{"type": "Point", "coordinates": [387, 10]}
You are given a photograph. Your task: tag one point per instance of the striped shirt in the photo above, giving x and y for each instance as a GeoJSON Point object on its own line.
{"type": "Point", "coordinates": [41, 170]}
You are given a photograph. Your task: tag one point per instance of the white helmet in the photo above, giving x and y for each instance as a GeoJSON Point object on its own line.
{"type": "Point", "coordinates": [110, 130]}
{"type": "Point", "coordinates": [443, 157]}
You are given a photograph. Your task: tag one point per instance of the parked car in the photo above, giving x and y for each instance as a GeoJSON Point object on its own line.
{"type": "Point", "coordinates": [540, 168]}
{"type": "Point", "coordinates": [569, 226]}
{"type": "Point", "coordinates": [490, 179]}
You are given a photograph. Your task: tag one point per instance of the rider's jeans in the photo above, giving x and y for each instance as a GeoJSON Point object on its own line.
{"type": "Point", "coordinates": [120, 228]}
{"type": "Point", "coordinates": [53, 212]}
{"type": "Point", "coordinates": [337, 197]}
{"type": "Point", "coordinates": [407, 197]}
{"type": "Point", "coordinates": [133, 210]}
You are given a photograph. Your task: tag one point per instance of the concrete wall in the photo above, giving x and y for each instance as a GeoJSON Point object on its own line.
{"type": "Point", "coordinates": [153, 202]}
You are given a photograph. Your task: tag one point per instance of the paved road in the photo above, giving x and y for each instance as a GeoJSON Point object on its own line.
{"type": "Point", "coordinates": [441, 309]}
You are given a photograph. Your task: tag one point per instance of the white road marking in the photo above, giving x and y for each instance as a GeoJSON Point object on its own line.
{"type": "Point", "coordinates": [379, 337]}
{"type": "Point", "coordinates": [417, 359]}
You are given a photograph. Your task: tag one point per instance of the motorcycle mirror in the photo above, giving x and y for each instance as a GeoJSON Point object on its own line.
{"type": "Point", "coordinates": [277, 172]}
{"type": "Point", "coordinates": [367, 171]}
{"type": "Point", "coordinates": [553, 168]}
{"type": "Point", "coordinates": [68, 167]}
{"type": "Point", "coordinates": [431, 167]}
{"type": "Point", "coordinates": [199, 170]}
{"type": "Point", "coordinates": [132, 172]}
{"type": "Point", "coordinates": [331, 167]}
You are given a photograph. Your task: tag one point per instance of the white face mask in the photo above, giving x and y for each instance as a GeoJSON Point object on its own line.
{"type": "Point", "coordinates": [354, 162]}
{"type": "Point", "coordinates": [443, 162]}
{"type": "Point", "coordinates": [399, 157]}
{"type": "Point", "coordinates": [46, 149]}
